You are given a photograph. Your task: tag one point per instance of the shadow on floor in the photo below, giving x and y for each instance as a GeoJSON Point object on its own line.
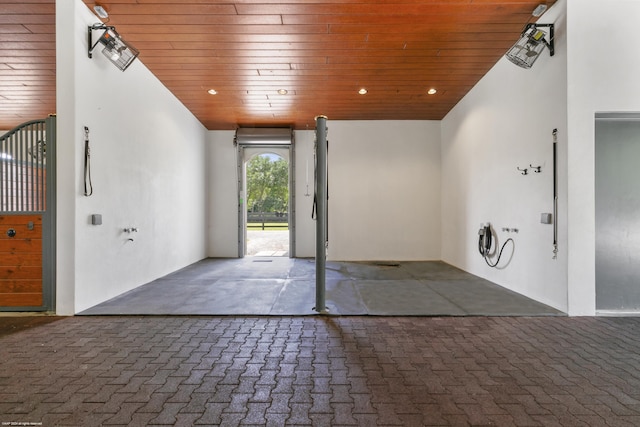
{"type": "Point", "coordinates": [11, 323]}
{"type": "Point", "coordinates": [286, 286]}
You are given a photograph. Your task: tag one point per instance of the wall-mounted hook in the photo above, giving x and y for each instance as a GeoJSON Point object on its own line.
{"type": "Point", "coordinates": [536, 169]}
{"type": "Point", "coordinates": [524, 171]}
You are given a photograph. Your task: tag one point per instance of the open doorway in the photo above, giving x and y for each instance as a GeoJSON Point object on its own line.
{"type": "Point", "coordinates": [266, 192]}
{"type": "Point", "coordinates": [267, 203]}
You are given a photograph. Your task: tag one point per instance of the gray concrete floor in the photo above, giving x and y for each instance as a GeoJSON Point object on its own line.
{"type": "Point", "coordinates": [286, 286]}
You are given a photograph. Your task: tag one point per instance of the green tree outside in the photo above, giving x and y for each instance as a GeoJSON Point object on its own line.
{"type": "Point", "coordinates": [267, 184]}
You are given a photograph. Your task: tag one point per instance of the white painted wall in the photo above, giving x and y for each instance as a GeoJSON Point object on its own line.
{"type": "Point", "coordinates": [384, 190]}
{"type": "Point", "coordinates": [222, 197]}
{"type": "Point", "coordinates": [384, 198]}
{"type": "Point", "coordinates": [505, 122]}
{"type": "Point", "coordinates": [305, 225]}
{"type": "Point", "coordinates": [603, 77]}
{"type": "Point", "coordinates": [148, 170]}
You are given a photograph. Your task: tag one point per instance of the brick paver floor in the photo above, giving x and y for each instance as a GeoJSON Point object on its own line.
{"type": "Point", "coordinates": [323, 371]}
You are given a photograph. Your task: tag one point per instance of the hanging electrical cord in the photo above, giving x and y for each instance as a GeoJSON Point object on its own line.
{"type": "Point", "coordinates": [306, 175]}
{"type": "Point", "coordinates": [555, 194]}
{"type": "Point", "coordinates": [88, 185]}
{"type": "Point", "coordinates": [315, 181]}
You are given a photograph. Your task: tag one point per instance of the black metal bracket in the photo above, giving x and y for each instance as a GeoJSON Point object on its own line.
{"type": "Point", "coordinates": [90, 30]}
{"type": "Point", "coordinates": [549, 44]}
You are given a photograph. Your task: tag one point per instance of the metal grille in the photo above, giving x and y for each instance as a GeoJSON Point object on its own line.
{"type": "Point", "coordinates": [23, 168]}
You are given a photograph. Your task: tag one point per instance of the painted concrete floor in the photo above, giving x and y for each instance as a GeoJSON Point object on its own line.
{"type": "Point", "coordinates": [286, 286]}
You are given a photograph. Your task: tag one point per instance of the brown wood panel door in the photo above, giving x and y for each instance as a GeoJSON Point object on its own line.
{"type": "Point", "coordinates": [21, 283]}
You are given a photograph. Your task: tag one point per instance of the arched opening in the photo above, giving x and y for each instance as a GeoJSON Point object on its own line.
{"type": "Point", "coordinates": [267, 204]}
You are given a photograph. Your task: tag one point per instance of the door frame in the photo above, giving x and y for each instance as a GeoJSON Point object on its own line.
{"type": "Point", "coordinates": [255, 144]}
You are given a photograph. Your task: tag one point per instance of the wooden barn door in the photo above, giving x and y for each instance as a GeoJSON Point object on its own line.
{"type": "Point", "coordinates": [27, 210]}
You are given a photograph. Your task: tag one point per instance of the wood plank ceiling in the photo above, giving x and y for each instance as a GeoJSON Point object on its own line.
{"type": "Point", "coordinates": [321, 52]}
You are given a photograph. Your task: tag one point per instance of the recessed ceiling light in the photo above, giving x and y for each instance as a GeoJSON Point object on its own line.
{"type": "Point", "coordinates": [100, 11]}
{"type": "Point", "coordinates": [539, 10]}
{"type": "Point", "coordinates": [283, 91]}
{"type": "Point", "coordinates": [432, 91]}
{"type": "Point", "coordinates": [212, 92]}
{"type": "Point", "coordinates": [362, 91]}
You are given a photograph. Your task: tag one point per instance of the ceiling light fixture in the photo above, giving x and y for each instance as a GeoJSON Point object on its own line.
{"type": "Point", "coordinates": [432, 91]}
{"type": "Point", "coordinates": [283, 91]}
{"type": "Point", "coordinates": [119, 52]}
{"type": "Point", "coordinates": [531, 44]}
{"type": "Point", "coordinates": [363, 91]}
{"type": "Point", "coordinates": [212, 92]}
{"type": "Point", "coordinates": [539, 10]}
{"type": "Point", "coordinates": [100, 11]}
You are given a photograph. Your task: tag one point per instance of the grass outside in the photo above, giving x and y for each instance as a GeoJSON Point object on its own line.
{"type": "Point", "coordinates": [268, 226]}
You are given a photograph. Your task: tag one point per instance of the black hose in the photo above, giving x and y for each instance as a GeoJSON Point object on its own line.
{"type": "Point", "coordinates": [486, 259]}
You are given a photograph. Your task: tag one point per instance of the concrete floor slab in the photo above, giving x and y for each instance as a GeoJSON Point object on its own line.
{"type": "Point", "coordinates": [286, 286]}
{"type": "Point", "coordinates": [296, 297]}
{"type": "Point", "coordinates": [405, 298]}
